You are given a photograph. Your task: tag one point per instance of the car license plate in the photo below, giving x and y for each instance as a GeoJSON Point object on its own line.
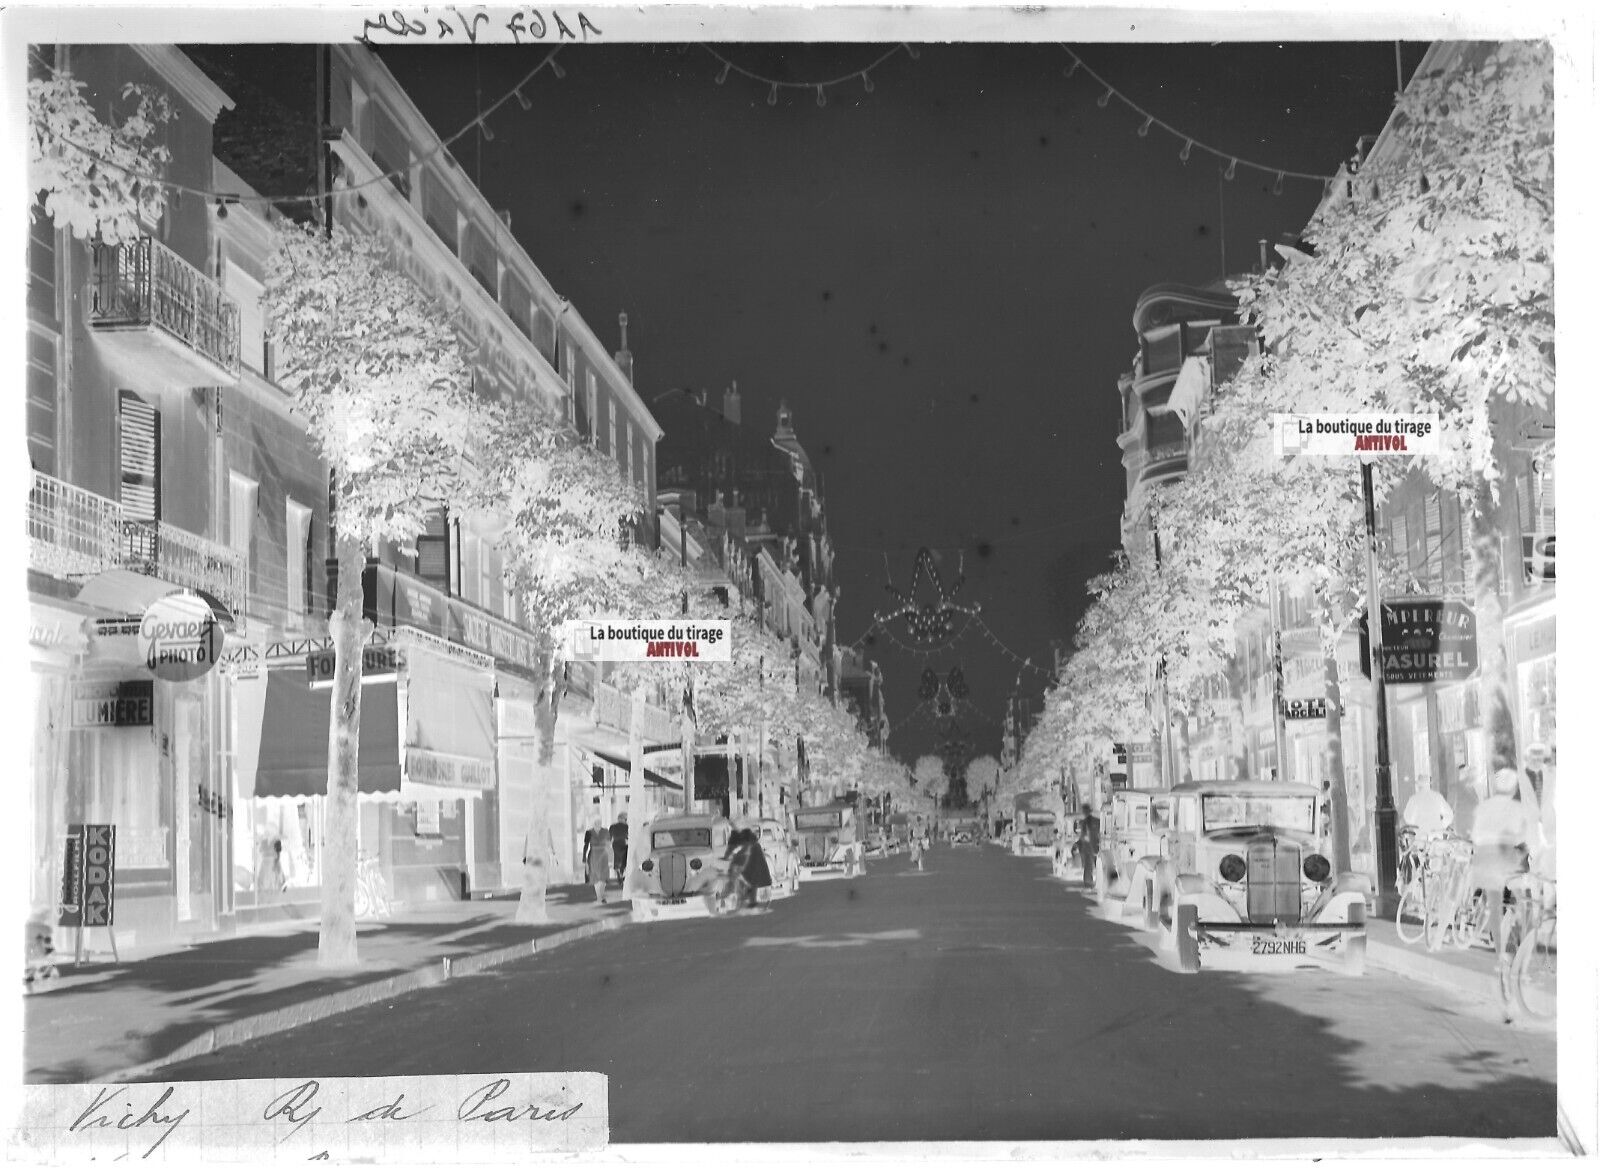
{"type": "Point", "coordinates": [1277, 947]}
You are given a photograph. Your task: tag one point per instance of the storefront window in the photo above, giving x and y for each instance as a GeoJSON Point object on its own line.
{"type": "Point", "coordinates": [117, 781]}
{"type": "Point", "coordinates": [1536, 684]}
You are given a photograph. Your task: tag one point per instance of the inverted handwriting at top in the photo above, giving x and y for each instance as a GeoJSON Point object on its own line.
{"type": "Point", "coordinates": [450, 24]}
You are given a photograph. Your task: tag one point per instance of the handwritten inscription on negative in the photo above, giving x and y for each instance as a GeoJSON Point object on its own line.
{"type": "Point", "coordinates": [407, 1118]}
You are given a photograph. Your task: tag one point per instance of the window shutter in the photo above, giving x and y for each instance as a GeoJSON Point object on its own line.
{"type": "Point", "coordinates": [139, 458]}
{"type": "Point", "coordinates": [42, 401]}
{"type": "Point", "coordinates": [433, 551]}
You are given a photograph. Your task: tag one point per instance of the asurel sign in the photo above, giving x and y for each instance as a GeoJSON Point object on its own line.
{"type": "Point", "coordinates": [1425, 640]}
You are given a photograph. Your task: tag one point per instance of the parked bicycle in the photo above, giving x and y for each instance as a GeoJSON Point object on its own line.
{"type": "Point", "coordinates": [1527, 950]}
{"type": "Point", "coordinates": [1447, 902]}
{"type": "Point", "coordinates": [372, 889]}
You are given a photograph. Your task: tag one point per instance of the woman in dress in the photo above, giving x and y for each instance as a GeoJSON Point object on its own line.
{"type": "Point", "coordinates": [597, 858]}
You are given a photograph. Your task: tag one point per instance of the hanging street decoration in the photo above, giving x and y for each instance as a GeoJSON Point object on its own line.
{"type": "Point", "coordinates": [936, 619]}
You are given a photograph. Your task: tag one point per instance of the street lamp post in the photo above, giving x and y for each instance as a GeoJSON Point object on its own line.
{"type": "Point", "coordinates": [1388, 852]}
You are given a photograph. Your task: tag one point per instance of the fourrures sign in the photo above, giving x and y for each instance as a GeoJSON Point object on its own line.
{"type": "Point", "coordinates": [180, 638]}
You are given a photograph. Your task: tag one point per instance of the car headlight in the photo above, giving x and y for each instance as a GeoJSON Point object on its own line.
{"type": "Point", "coordinates": [648, 866]}
{"type": "Point", "coordinates": [695, 864]}
{"type": "Point", "coordinates": [1316, 868]}
{"type": "Point", "coordinates": [1232, 868]}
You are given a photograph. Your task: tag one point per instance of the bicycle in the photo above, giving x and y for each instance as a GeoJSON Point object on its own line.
{"type": "Point", "coordinates": [1447, 895]}
{"type": "Point", "coordinates": [1411, 915]}
{"type": "Point", "coordinates": [1527, 959]}
{"type": "Point", "coordinates": [372, 889]}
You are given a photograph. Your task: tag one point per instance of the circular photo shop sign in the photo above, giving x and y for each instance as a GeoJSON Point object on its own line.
{"type": "Point", "coordinates": [181, 637]}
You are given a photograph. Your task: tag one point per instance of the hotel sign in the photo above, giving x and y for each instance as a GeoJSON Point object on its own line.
{"type": "Point", "coordinates": [98, 704]}
{"type": "Point", "coordinates": [1304, 708]}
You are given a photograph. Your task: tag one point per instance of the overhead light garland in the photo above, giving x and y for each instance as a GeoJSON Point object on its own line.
{"type": "Point", "coordinates": [929, 622]}
{"type": "Point", "coordinates": [819, 88]}
{"type": "Point", "coordinates": [1190, 142]}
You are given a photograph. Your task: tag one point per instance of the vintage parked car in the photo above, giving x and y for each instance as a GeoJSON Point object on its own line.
{"type": "Point", "coordinates": [1247, 877]}
{"type": "Point", "coordinates": [1034, 833]}
{"type": "Point", "coordinates": [1134, 829]}
{"type": "Point", "coordinates": [782, 861]}
{"type": "Point", "coordinates": [683, 856]}
{"type": "Point", "coordinates": [818, 844]}
{"type": "Point", "coordinates": [963, 829]}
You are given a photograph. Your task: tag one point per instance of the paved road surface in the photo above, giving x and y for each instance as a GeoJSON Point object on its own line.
{"type": "Point", "coordinates": [981, 1000]}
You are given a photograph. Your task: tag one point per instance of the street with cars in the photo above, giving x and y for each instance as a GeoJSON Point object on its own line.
{"type": "Point", "coordinates": [986, 996]}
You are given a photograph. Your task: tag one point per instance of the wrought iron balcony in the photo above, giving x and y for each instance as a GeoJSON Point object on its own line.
{"type": "Point", "coordinates": [166, 311]}
{"type": "Point", "coordinates": [172, 554]}
{"type": "Point", "coordinates": [72, 532]}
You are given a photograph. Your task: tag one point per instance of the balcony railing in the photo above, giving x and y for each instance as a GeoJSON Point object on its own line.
{"type": "Point", "coordinates": [144, 285]}
{"type": "Point", "coordinates": [177, 556]}
{"type": "Point", "coordinates": [1156, 455]}
{"type": "Point", "coordinates": [614, 708]}
{"type": "Point", "coordinates": [71, 532]}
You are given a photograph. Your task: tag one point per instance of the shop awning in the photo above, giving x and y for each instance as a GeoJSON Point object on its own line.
{"type": "Point", "coordinates": [650, 776]}
{"type": "Point", "coordinates": [121, 590]}
{"type": "Point", "coordinates": [293, 761]}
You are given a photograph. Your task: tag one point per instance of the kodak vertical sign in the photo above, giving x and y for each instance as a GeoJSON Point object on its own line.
{"type": "Point", "coordinates": [88, 876]}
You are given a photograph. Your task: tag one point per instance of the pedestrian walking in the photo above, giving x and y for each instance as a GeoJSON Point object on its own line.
{"type": "Point", "coordinates": [619, 845]}
{"type": "Point", "coordinates": [919, 846]}
{"type": "Point", "coordinates": [1083, 848]}
{"type": "Point", "coordinates": [597, 858]}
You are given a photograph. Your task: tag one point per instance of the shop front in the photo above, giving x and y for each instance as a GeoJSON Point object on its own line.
{"type": "Point", "coordinates": [116, 745]}
{"type": "Point", "coordinates": [427, 754]}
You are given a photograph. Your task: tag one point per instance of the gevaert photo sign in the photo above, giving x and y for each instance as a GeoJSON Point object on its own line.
{"type": "Point", "coordinates": [649, 640]}
{"type": "Point", "coordinates": [396, 1118]}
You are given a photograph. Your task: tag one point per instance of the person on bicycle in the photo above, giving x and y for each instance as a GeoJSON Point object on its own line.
{"type": "Point", "coordinates": [1426, 811]}
{"type": "Point", "coordinates": [1500, 832]}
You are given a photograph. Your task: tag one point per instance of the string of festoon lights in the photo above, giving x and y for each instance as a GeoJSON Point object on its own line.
{"type": "Point", "coordinates": [1190, 142]}
{"type": "Point", "coordinates": [862, 75]}
{"type": "Point", "coordinates": [480, 124]}
{"type": "Point", "coordinates": [1025, 662]}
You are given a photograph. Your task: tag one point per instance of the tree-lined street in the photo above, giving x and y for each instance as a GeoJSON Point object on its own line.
{"type": "Point", "coordinates": [979, 1000]}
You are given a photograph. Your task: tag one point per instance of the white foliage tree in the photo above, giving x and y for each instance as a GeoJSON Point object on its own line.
{"type": "Point", "coordinates": [377, 376]}
{"type": "Point", "coordinates": [97, 177]}
{"type": "Point", "coordinates": [931, 778]}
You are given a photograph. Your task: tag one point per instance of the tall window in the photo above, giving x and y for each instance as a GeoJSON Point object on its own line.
{"type": "Point", "coordinates": [242, 520]}
{"type": "Point", "coordinates": [593, 398]}
{"type": "Point", "coordinates": [627, 453]}
{"type": "Point", "coordinates": [252, 325]}
{"type": "Point", "coordinates": [42, 400]}
{"type": "Point", "coordinates": [297, 556]}
{"type": "Point", "coordinates": [611, 426]}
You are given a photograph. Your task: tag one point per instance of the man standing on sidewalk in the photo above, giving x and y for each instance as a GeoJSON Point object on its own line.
{"type": "Point", "coordinates": [619, 845]}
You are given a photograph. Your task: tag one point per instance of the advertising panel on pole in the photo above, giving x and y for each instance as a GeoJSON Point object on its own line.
{"type": "Point", "coordinates": [88, 876]}
{"type": "Point", "coordinates": [1425, 639]}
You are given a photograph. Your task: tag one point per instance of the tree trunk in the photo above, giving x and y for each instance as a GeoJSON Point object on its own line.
{"type": "Point", "coordinates": [1333, 758]}
{"type": "Point", "coordinates": [1180, 748]}
{"type": "Point", "coordinates": [336, 943]}
{"type": "Point", "coordinates": [549, 703]}
{"type": "Point", "coordinates": [686, 745]}
{"type": "Point", "coordinates": [1494, 667]}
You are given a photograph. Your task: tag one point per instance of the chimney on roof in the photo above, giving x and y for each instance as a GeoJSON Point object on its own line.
{"type": "Point", "coordinates": [505, 217]}
{"type": "Point", "coordinates": [730, 403]}
{"type": "Point", "coordinates": [624, 358]}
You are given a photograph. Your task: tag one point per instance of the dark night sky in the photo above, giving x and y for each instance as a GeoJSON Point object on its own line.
{"type": "Point", "coordinates": [939, 275]}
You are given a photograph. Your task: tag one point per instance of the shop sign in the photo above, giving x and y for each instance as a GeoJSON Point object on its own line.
{"type": "Point", "coordinates": [1119, 754]}
{"type": "Point", "coordinates": [1141, 753]}
{"type": "Point", "coordinates": [88, 876]}
{"type": "Point", "coordinates": [448, 770]}
{"type": "Point", "coordinates": [418, 605]}
{"type": "Point", "coordinates": [378, 663]}
{"type": "Point", "coordinates": [180, 638]}
{"type": "Point", "coordinates": [1535, 639]}
{"type": "Point", "coordinates": [112, 703]}
{"type": "Point", "coordinates": [1305, 708]}
{"type": "Point", "coordinates": [1539, 559]}
{"type": "Point", "coordinates": [1426, 640]}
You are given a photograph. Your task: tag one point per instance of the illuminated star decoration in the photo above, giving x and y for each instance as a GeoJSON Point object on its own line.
{"type": "Point", "coordinates": [929, 622]}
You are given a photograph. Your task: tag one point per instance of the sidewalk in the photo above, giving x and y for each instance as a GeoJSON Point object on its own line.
{"type": "Point", "coordinates": [1471, 972]}
{"type": "Point", "coordinates": [106, 1021]}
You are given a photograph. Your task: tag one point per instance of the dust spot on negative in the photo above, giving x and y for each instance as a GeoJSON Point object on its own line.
{"type": "Point", "coordinates": [975, 155]}
{"type": "Point", "coordinates": [872, 329]}
{"type": "Point", "coordinates": [883, 346]}
{"type": "Point", "coordinates": [1015, 522]}
{"type": "Point", "coordinates": [905, 360]}
{"type": "Point", "coordinates": [1202, 230]}
{"type": "Point", "coordinates": [826, 294]}
{"type": "Point", "coordinates": [578, 208]}
{"type": "Point", "coordinates": [985, 549]}
{"type": "Point", "coordinates": [1044, 140]}
{"type": "Point", "coordinates": [828, 449]}
{"type": "Point", "coordinates": [973, 398]}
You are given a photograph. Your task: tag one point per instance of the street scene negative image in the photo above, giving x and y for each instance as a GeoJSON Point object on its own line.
{"type": "Point", "coordinates": [587, 586]}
